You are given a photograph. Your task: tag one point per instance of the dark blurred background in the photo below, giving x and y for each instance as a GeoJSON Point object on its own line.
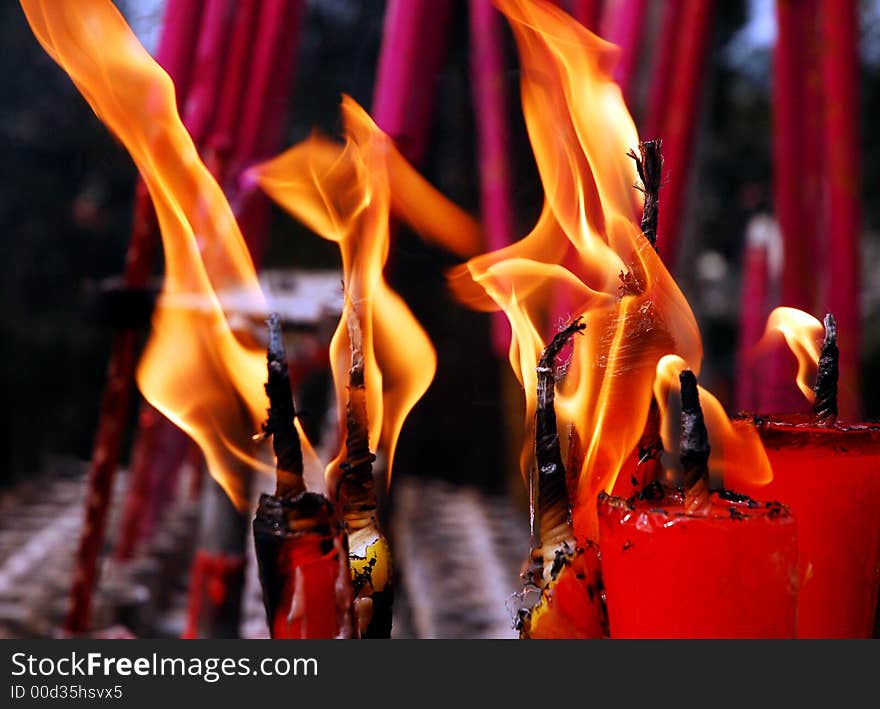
{"type": "Point", "coordinates": [66, 197]}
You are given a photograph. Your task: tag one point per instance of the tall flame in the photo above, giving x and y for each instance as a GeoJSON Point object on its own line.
{"type": "Point", "coordinates": [588, 245]}
{"type": "Point", "coordinates": [802, 333]}
{"type": "Point", "coordinates": [196, 370]}
{"type": "Point", "coordinates": [345, 193]}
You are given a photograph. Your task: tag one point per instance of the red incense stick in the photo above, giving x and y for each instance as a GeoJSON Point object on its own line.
{"type": "Point", "coordinates": [587, 12]}
{"type": "Point", "coordinates": [175, 54]}
{"type": "Point", "coordinates": [150, 471]}
{"type": "Point", "coordinates": [201, 100]}
{"type": "Point", "coordinates": [413, 45]}
{"type": "Point", "coordinates": [789, 144]}
{"type": "Point", "coordinates": [264, 114]}
{"type": "Point", "coordinates": [838, 22]}
{"type": "Point", "coordinates": [661, 74]}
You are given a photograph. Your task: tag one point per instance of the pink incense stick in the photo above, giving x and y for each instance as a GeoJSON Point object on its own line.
{"type": "Point", "coordinates": [623, 24]}
{"type": "Point", "coordinates": [264, 114]}
{"type": "Point", "coordinates": [490, 105]}
{"type": "Point", "coordinates": [413, 47]}
{"type": "Point", "coordinates": [588, 13]}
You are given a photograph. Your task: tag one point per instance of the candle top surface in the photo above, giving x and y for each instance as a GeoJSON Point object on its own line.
{"type": "Point", "coordinates": [661, 505]}
{"type": "Point", "coordinates": [799, 430]}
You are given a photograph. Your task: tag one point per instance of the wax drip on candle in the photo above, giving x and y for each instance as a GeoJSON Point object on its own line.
{"type": "Point", "coordinates": [825, 407]}
{"type": "Point", "coordinates": [649, 165]}
{"type": "Point", "coordinates": [281, 415]}
{"type": "Point", "coordinates": [554, 511]}
{"type": "Point", "coordinates": [694, 447]}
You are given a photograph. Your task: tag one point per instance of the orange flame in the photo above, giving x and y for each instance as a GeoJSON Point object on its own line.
{"type": "Point", "coordinates": [198, 372]}
{"type": "Point", "coordinates": [588, 244]}
{"type": "Point", "coordinates": [345, 193]}
{"type": "Point", "coordinates": [803, 334]}
{"type": "Point", "coordinates": [737, 453]}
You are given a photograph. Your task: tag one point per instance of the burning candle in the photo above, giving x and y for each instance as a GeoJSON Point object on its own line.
{"type": "Point", "coordinates": [718, 564]}
{"type": "Point", "coordinates": [830, 477]}
{"type": "Point", "coordinates": [727, 573]}
{"type": "Point", "coordinates": [829, 474]}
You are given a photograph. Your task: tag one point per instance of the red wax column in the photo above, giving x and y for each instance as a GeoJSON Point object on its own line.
{"type": "Point", "coordinates": [679, 125]}
{"type": "Point", "coordinates": [830, 478]}
{"type": "Point", "coordinates": [838, 21]}
{"type": "Point", "coordinates": [728, 574]}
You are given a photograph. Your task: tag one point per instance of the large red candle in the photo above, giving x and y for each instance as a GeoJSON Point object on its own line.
{"type": "Point", "coordinates": [829, 475]}
{"type": "Point", "coordinates": [728, 573]}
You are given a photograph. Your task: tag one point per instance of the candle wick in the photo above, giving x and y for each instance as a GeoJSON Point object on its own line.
{"type": "Point", "coordinates": [694, 446]}
{"type": "Point", "coordinates": [553, 506]}
{"type": "Point", "coordinates": [825, 407]}
{"type": "Point", "coordinates": [281, 415]}
{"type": "Point", "coordinates": [649, 165]}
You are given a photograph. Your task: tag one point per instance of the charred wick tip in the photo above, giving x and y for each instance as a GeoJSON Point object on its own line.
{"type": "Point", "coordinates": [551, 351]}
{"type": "Point", "coordinates": [281, 414]}
{"type": "Point", "coordinates": [359, 458]}
{"type": "Point", "coordinates": [649, 165]}
{"type": "Point", "coordinates": [694, 437]}
{"type": "Point", "coordinates": [825, 407]}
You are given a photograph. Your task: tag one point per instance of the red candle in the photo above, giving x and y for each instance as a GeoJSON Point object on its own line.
{"type": "Point", "coordinates": [829, 475]}
{"type": "Point", "coordinates": [571, 604]}
{"type": "Point", "coordinates": [728, 573]}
